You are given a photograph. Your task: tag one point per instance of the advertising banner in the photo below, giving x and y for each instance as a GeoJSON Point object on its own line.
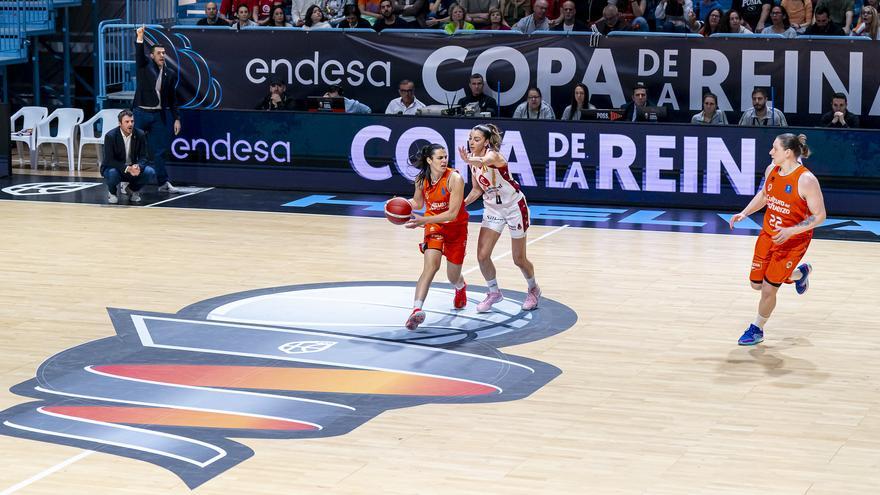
{"type": "Point", "coordinates": [228, 69]}
{"type": "Point", "coordinates": [684, 165]}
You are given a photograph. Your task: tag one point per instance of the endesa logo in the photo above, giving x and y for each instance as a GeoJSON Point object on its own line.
{"type": "Point", "coordinates": [228, 149]}
{"type": "Point", "coordinates": [281, 363]}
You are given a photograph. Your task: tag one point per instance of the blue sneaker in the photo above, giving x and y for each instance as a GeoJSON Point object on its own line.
{"type": "Point", "coordinates": [753, 335]}
{"type": "Point", "coordinates": [803, 284]}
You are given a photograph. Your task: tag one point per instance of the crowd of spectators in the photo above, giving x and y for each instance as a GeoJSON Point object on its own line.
{"type": "Point", "coordinates": [789, 18]}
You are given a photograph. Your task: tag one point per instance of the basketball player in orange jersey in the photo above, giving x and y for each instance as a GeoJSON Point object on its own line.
{"type": "Point", "coordinates": [504, 204]}
{"type": "Point", "coordinates": [794, 208]}
{"type": "Point", "coordinates": [441, 191]}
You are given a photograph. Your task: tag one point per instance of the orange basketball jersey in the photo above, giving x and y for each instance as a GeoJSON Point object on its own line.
{"type": "Point", "coordinates": [437, 198]}
{"type": "Point", "coordinates": [785, 206]}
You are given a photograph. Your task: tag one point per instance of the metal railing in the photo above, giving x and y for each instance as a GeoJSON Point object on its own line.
{"type": "Point", "coordinates": [38, 16]}
{"type": "Point", "coordinates": [12, 39]}
{"type": "Point", "coordinates": [117, 71]}
{"type": "Point", "coordinates": [151, 11]}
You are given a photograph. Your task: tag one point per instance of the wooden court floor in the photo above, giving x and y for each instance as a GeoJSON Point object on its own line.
{"type": "Point", "coordinates": [655, 397]}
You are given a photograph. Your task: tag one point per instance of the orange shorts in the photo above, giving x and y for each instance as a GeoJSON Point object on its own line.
{"type": "Point", "coordinates": [775, 263]}
{"type": "Point", "coordinates": [451, 240]}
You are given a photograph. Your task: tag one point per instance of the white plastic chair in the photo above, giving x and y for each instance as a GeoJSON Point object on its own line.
{"type": "Point", "coordinates": [67, 118]}
{"type": "Point", "coordinates": [30, 116]}
{"type": "Point", "coordinates": [108, 119]}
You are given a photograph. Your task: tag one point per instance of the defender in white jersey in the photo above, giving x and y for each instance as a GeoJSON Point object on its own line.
{"type": "Point", "coordinates": [503, 204]}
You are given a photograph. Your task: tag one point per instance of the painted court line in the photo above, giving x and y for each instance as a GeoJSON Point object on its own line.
{"type": "Point", "coordinates": [498, 257]}
{"type": "Point", "coordinates": [176, 198]}
{"type": "Point", "coordinates": [46, 472]}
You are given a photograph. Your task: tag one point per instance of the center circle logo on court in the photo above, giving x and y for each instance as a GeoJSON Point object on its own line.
{"type": "Point", "coordinates": [290, 362]}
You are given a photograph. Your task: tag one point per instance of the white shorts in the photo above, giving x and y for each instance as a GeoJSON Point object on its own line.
{"type": "Point", "coordinates": [515, 216]}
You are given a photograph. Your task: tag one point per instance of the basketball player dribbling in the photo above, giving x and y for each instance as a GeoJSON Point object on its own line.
{"type": "Point", "coordinates": [504, 204]}
{"type": "Point", "coordinates": [794, 208]}
{"type": "Point", "coordinates": [441, 191]}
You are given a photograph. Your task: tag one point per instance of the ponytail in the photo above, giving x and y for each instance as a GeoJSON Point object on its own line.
{"type": "Point", "coordinates": [492, 134]}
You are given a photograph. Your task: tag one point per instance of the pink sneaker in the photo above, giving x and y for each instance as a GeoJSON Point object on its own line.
{"type": "Point", "coordinates": [415, 319]}
{"type": "Point", "coordinates": [491, 298]}
{"type": "Point", "coordinates": [532, 298]}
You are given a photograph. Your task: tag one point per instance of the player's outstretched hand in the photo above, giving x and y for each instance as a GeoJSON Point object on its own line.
{"type": "Point", "coordinates": [463, 153]}
{"type": "Point", "coordinates": [736, 218]}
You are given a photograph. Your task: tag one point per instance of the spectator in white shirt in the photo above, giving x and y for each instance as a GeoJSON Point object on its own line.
{"type": "Point", "coordinates": [407, 103]}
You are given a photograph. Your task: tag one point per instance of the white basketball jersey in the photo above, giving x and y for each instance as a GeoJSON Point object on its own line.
{"type": "Point", "coordinates": [499, 187]}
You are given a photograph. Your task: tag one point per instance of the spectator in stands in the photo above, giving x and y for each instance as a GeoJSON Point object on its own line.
{"type": "Point", "coordinates": [333, 10]}
{"type": "Point", "coordinates": [229, 9]}
{"type": "Point", "coordinates": [711, 25]}
{"type": "Point", "coordinates": [591, 11]}
{"type": "Point", "coordinates": [634, 111]}
{"type": "Point", "coordinates": [800, 13]}
{"type": "Point", "coordinates": [759, 114]}
{"type": "Point", "coordinates": [823, 25]}
{"type": "Point", "coordinates": [839, 116]}
{"type": "Point", "coordinates": [478, 10]}
{"type": "Point", "coordinates": [554, 12]}
{"type": "Point", "coordinates": [580, 100]}
{"type": "Point", "coordinates": [243, 18]}
{"type": "Point", "coordinates": [262, 13]}
{"type": "Point", "coordinates": [569, 21]}
{"type": "Point", "coordinates": [315, 19]}
{"type": "Point", "coordinates": [457, 20]}
{"type": "Point", "coordinates": [352, 18]}
{"type": "Point", "coordinates": [414, 12]}
{"type": "Point", "coordinates": [732, 23]}
{"type": "Point", "coordinates": [480, 17]}
{"type": "Point", "coordinates": [754, 13]}
{"type": "Point", "coordinates": [672, 15]}
{"type": "Point", "coordinates": [841, 12]}
{"type": "Point", "coordinates": [484, 102]}
{"type": "Point", "coordinates": [351, 106]}
{"type": "Point", "coordinates": [514, 10]}
{"type": "Point", "coordinates": [868, 23]}
{"type": "Point", "coordinates": [212, 16]}
{"type": "Point", "coordinates": [389, 18]}
{"type": "Point", "coordinates": [534, 107]}
{"type": "Point", "coordinates": [406, 103]}
{"type": "Point", "coordinates": [710, 114]}
{"type": "Point", "coordinates": [779, 23]}
{"type": "Point", "coordinates": [496, 21]}
{"type": "Point", "coordinates": [155, 104]}
{"type": "Point", "coordinates": [124, 151]}
{"type": "Point", "coordinates": [298, 10]}
{"type": "Point", "coordinates": [277, 98]}
{"type": "Point", "coordinates": [278, 19]}
{"type": "Point", "coordinates": [703, 8]}
{"type": "Point", "coordinates": [633, 12]}
{"type": "Point", "coordinates": [369, 9]}
{"type": "Point", "coordinates": [537, 21]}
{"type": "Point", "coordinates": [611, 21]}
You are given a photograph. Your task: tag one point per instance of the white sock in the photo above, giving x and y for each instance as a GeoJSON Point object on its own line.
{"type": "Point", "coordinates": [531, 282]}
{"type": "Point", "coordinates": [458, 285]}
{"type": "Point", "coordinates": [796, 275]}
{"type": "Point", "coordinates": [760, 321]}
{"type": "Point", "coordinates": [493, 285]}
{"type": "Point", "coordinates": [417, 303]}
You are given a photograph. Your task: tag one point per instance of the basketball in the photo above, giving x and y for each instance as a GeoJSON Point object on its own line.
{"type": "Point", "coordinates": [398, 210]}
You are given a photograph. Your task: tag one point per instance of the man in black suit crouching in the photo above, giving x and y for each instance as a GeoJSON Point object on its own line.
{"type": "Point", "coordinates": [124, 150]}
